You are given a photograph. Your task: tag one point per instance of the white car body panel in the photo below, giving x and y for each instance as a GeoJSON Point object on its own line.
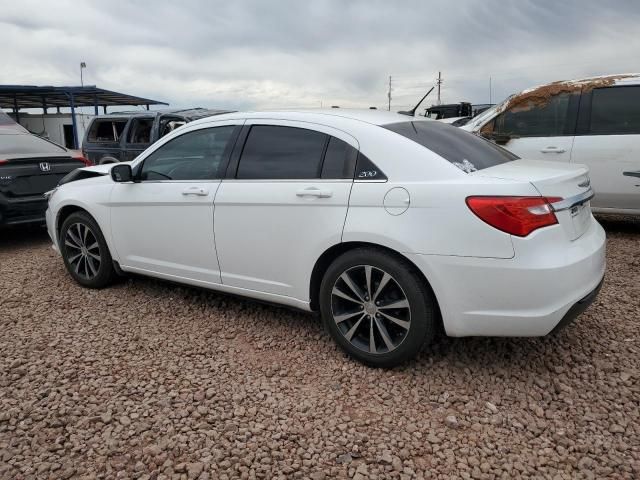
{"type": "Point", "coordinates": [608, 157]}
{"type": "Point", "coordinates": [267, 238]}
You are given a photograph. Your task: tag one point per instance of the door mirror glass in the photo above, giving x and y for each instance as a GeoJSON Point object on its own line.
{"type": "Point", "coordinates": [122, 173]}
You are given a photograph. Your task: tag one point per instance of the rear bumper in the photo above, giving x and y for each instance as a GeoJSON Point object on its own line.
{"type": "Point", "coordinates": [546, 283]}
{"type": "Point", "coordinates": [577, 308]}
{"type": "Point", "coordinates": [23, 210]}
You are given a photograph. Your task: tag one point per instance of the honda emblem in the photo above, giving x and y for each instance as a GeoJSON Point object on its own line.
{"type": "Point", "coordinates": [45, 167]}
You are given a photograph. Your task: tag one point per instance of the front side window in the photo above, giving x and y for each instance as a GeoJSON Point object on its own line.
{"type": "Point", "coordinates": [275, 152]}
{"type": "Point", "coordinates": [140, 131]}
{"type": "Point", "coordinates": [615, 110]}
{"type": "Point", "coordinates": [539, 118]}
{"type": "Point", "coordinates": [196, 155]}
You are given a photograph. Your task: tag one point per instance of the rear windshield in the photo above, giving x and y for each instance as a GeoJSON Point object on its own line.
{"type": "Point", "coordinates": [108, 130]}
{"type": "Point", "coordinates": [465, 150]}
{"type": "Point", "coordinates": [21, 143]}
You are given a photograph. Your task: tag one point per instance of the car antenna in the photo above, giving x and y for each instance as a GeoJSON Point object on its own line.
{"type": "Point", "coordinates": [412, 112]}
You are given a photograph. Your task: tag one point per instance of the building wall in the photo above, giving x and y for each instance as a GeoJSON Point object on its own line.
{"type": "Point", "coordinates": [51, 126]}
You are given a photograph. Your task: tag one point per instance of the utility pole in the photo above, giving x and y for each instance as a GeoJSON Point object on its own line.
{"type": "Point", "coordinates": [490, 96]}
{"type": "Point", "coordinates": [83, 65]}
{"type": "Point", "coordinates": [389, 94]}
{"type": "Point", "coordinates": [438, 83]}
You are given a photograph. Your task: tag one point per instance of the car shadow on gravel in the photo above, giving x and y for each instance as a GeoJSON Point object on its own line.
{"type": "Point", "coordinates": [23, 236]}
{"type": "Point", "coordinates": [619, 223]}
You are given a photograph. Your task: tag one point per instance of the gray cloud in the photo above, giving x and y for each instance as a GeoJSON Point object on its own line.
{"type": "Point", "coordinates": [288, 53]}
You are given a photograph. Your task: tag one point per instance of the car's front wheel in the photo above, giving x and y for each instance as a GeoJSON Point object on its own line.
{"type": "Point", "coordinates": [85, 251]}
{"type": "Point", "coordinates": [377, 307]}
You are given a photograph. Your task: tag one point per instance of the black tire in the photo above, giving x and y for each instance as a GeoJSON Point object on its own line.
{"type": "Point", "coordinates": [90, 273]}
{"type": "Point", "coordinates": [421, 310]}
{"type": "Point", "coordinates": [107, 160]}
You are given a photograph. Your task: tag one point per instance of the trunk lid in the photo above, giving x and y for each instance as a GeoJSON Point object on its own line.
{"type": "Point", "coordinates": [30, 175]}
{"type": "Point", "coordinates": [553, 179]}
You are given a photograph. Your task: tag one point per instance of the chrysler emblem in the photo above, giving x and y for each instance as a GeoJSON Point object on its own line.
{"type": "Point", "coordinates": [45, 167]}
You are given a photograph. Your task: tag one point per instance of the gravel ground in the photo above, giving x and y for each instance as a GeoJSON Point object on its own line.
{"type": "Point", "coordinates": [149, 380]}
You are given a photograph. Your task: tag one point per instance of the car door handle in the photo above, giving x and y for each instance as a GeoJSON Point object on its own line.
{"type": "Point", "coordinates": [553, 150]}
{"type": "Point", "coordinates": [314, 192]}
{"type": "Point", "coordinates": [202, 192]}
{"type": "Point", "coordinates": [632, 174]}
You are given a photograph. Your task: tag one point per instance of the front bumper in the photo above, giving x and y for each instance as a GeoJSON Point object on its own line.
{"type": "Point", "coordinates": [549, 281]}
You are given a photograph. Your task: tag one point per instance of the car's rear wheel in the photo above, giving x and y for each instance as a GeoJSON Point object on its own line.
{"type": "Point", "coordinates": [377, 307]}
{"type": "Point", "coordinates": [85, 251]}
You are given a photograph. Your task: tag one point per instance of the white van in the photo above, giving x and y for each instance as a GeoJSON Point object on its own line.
{"type": "Point", "coordinates": [593, 121]}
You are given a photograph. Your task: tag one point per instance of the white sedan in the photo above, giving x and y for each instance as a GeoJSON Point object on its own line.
{"type": "Point", "coordinates": [391, 226]}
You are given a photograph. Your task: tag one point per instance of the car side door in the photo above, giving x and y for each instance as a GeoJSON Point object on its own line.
{"type": "Point", "coordinates": [162, 223]}
{"type": "Point", "coordinates": [283, 203]}
{"type": "Point", "coordinates": [137, 138]}
{"type": "Point", "coordinates": [608, 141]}
{"type": "Point", "coordinates": [540, 130]}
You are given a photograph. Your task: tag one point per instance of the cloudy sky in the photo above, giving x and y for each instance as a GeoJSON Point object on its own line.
{"type": "Point", "coordinates": [298, 53]}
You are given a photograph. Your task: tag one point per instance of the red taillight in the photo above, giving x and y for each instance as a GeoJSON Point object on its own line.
{"type": "Point", "coordinates": [515, 215]}
{"type": "Point", "coordinates": [3, 161]}
{"type": "Point", "coordinates": [84, 160]}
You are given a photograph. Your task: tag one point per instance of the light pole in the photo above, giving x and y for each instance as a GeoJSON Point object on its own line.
{"type": "Point", "coordinates": [82, 67]}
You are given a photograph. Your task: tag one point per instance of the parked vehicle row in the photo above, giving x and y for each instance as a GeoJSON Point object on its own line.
{"type": "Point", "coordinates": [392, 227]}
{"type": "Point", "coordinates": [595, 122]}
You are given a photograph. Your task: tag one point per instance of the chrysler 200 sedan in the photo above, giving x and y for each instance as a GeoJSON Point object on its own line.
{"type": "Point", "coordinates": [393, 228]}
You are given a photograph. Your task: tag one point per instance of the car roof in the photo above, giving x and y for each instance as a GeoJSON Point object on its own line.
{"type": "Point", "coordinates": [191, 113]}
{"type": "Point", "coordinates": [368, 116]}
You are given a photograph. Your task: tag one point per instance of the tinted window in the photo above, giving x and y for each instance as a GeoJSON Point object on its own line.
{"type": "Point", "coordinates": [465, 150]}
{"type": "Point", "coordinates": [340, 159]}
{"type": "Point", "coordinates": [615, 111]}
{"type": "Point", "coordinates": [273, 152]}
{"type": "Point", "coordinates": [367, 170]}
{"type": "Point", "coordinates": [24, 143]}
{"type": "Point", "coordinates": [547, 119]}
{"type": "Point", "coordinates": [193, 156]}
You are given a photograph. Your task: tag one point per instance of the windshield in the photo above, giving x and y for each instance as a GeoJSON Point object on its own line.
{"type": "Point", "coordinates": [465, 150]}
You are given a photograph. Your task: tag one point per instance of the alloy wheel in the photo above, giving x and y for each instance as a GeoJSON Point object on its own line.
{"type": "Point", "coordinates": [370, 309]}
{"type": "Point", "coordinates": [83, 250]}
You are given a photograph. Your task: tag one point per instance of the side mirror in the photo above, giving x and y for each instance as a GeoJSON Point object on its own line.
{"type": "Point", "coordinates": [122, 173]}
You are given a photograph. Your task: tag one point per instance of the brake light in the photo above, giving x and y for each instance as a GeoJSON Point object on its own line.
{"type": "Point", "coordinates": [515, 215]}
{"type": "Point", "coordinates": [84, 160]}
{"type": "Point", "coordinates": [3, 161]}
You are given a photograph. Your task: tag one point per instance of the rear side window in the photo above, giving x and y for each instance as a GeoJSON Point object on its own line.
{"type": "Point", "coordinates": [108, 130]}
{"type": "Point", "coordinates": [19, 144]}
{"type": "Point", "coordinates": [549, 119]}
{"type": "Point", "coordinates": [275, 152]}
{"type": "Point", "coordinates": [465, 150]}
{"type": "Point", "coordinates": [340, 159]}
{"type": "Point", "coordinates": [615, 110]}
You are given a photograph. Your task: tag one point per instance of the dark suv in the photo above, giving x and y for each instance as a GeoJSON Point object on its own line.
{"type": "Point", "coordinates": [121, 137]}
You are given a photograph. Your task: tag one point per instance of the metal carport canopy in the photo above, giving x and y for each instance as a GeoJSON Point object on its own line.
{"type": "Point", "coordinates": [17, 97]}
